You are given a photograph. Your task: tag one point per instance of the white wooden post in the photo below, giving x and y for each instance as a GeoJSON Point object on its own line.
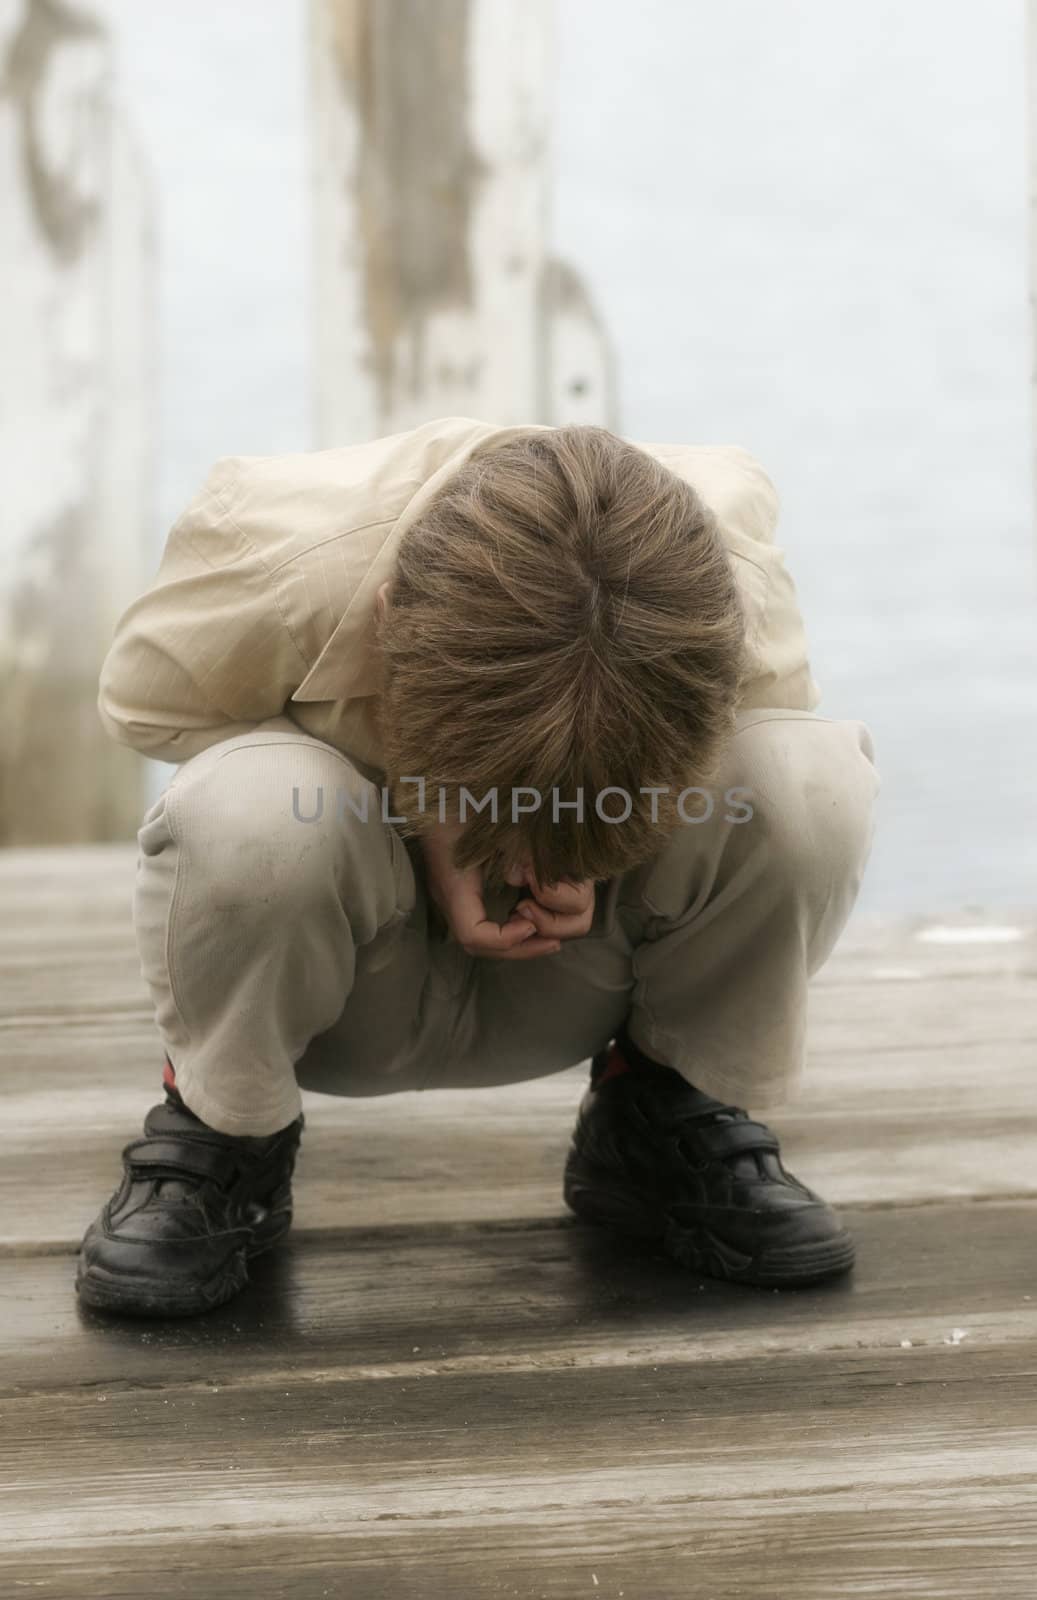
{"type": "Point", "coordinates": [580, 370]}
{"type": "Point", "coordinates": [76, 386]}
{"type": "Point", "coordinates": [436, 293]}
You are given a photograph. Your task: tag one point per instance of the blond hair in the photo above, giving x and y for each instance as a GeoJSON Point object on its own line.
{"type": "Point", "coordinates": [563, 618]}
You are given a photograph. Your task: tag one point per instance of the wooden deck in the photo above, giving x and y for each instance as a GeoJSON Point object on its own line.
{"type": "Point", "coordinates": [442, 1386]}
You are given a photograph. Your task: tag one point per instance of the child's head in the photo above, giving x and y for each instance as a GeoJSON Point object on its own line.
{"type": "Point", "coordinates": [563, 618]}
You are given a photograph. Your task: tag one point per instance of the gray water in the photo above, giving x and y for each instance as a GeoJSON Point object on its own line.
{"type": "Point", "coordinates": [806, 227]}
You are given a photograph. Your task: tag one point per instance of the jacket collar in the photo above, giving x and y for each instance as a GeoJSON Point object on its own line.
{"type": "Point", "coordinates": [349, 665]}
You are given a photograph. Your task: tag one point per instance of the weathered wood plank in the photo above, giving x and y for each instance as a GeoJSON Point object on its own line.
{"type": "Point", "coordinates": [525, 1478]}
{"type": "Point", "coordinates": [414, 1303]}
{"type": "Point", "coordinates": [915, 1545]}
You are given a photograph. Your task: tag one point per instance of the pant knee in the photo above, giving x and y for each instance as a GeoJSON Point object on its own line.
{"type": "Point", "coordinates": [265, 827]}
{"type": "Point", "coordinates": [811, 786]}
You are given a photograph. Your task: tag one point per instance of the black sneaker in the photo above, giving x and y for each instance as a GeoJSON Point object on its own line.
{"type": "Point", "coordinates": [656, 1159]}
{"type": "Point", "coordinates": [193, 1206]}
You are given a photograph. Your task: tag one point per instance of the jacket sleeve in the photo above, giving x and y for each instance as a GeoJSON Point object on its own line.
{"type": "Point", "coordinates": [206, 652]}
{"type": "Point", "coordinates": [746, 504]}
{"type": "Point", "coordinates": [779, 674]}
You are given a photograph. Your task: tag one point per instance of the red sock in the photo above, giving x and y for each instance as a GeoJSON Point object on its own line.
{"type": "Point", "coordinates": [172, 1092]}
{"type": "Point", "coordinates": [615, 1063]}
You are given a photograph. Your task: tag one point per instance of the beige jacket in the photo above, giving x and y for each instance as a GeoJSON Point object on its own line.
{"type": "Point", "coordinates": [264, 600]}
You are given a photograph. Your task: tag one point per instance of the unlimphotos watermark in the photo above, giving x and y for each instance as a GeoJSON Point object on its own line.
{"type": "Point", "coordinates": [613, 804]}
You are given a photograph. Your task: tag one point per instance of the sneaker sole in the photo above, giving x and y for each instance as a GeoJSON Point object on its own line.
{"type": "Point", "coordinates": [135, 1296]}
{"type": "Point", "coordinates": [593, 1200]}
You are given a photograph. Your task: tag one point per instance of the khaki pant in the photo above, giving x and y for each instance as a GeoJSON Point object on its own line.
{"type": "Point", "coordinates": [281, 951]}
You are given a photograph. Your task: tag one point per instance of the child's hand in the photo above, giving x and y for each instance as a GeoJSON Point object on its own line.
{"type": "Point", "coordinates": [459, 896]}
{"type": "Point", "coordinates": [563, 910]}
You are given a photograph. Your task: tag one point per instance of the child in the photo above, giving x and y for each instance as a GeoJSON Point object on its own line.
{"type": "Point", "coordinates": [498, 752]}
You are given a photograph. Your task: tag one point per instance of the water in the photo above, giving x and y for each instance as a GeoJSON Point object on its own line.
{"type": "Point", "coordinates": [805, 225]}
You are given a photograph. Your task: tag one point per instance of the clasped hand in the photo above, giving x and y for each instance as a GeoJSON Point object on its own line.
{"type": "Point", "coordinates": [545, 917]}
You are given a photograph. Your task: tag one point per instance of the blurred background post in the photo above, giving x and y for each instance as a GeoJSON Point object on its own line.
{"type": "Point", "coordinates": [77, 399]}
{"type": "Point", "coordinates": [437, 291]}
